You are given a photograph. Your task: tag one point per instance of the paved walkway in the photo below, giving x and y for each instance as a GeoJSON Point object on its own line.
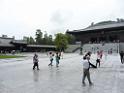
{"type": "Point", "coordinates": [17, 76]}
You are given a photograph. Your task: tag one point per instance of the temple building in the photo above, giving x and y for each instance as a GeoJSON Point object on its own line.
{"type": "Point", "coordinates": [9, 44]}
{"type": "Point", "coordinates": [105, 31]}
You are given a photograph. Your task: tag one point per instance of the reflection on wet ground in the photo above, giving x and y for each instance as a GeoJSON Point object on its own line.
{"type": "Point", "coordinates": [18, 76]}
{"type": "Point", "coordinates": [36, 75]}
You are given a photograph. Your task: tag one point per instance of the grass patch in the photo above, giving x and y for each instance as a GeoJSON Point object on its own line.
{"type": "Point", "coordinates": [9, 56]}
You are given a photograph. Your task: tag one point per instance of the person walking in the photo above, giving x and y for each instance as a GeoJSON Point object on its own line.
{"type": "Point", "coordinates": [51, 59]}
{"type": "Point", "coordinates": [86, 67]}
{"type": "Point", "coordinates": [101, 54]}
{"type": "Point", "coordinates": [35, 61]}
{"type": "Point", "coordinates": [98, 60]}
{"type": "Point", "coordinates": [57, 59]}
{"type": "Point", "coordinates": [122, 57]}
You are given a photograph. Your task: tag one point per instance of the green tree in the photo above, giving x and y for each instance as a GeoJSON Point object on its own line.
{"type": "Point", "coordinates": [61, 41]}
{"type": "Point", "coordinates": [38, 36]}
{"type": "Point", "coordinates": [50, 40]}
{"type": "Point", "coordinates": [31, 40]}
{"type": "Point", "coordinates": [27, 39]}
{"type": "Point", "coordinates": [45, 39]}
{"type": "Point", "coordinates": [71, 39]}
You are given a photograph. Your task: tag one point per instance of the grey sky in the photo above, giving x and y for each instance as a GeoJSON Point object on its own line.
{"type": "Point", "coordinates": [22, 17]}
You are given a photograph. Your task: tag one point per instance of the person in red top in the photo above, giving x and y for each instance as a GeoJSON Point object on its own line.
{"type": "Point", "coordinates": [98, 60]}
{"type": "Point", "coordinates": [97, 53]}
{"type": "Point", "coordinates": [101, 54]}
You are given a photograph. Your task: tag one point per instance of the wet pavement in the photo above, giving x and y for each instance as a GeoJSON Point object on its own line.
{"type": "Point", "coordinates": [17, 76]}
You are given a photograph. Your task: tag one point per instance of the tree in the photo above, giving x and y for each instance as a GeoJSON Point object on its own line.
{"type": "Point", "coordinates": [71, 39]}
{"type": "Point", "coordinates": [38, 36]}
{"type": "Point", "coordinates": [25, 38]}
{"type": "Point", "coordinates": [45, 39]}
{"type": "Point", "coordinates": [50, 40]}
{"type": "Point", "coordinates": [31, 40]}
{"type": "Point", "coordinates": [61, 41]}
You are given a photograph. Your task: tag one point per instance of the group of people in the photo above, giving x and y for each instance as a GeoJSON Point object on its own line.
{"type": "Point", "coordinates": [86, 62]}
{"type": "Point", "coordinates": [51, 57]}
{"type": "Point", "coordinates": [57, 57]}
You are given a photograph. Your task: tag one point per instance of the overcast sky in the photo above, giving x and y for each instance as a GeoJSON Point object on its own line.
{"type": "Point", "coordinates": [22, 17]}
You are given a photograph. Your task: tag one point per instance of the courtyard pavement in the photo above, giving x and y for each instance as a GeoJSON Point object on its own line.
{"type": "Point", "coordinates": [17, 76]}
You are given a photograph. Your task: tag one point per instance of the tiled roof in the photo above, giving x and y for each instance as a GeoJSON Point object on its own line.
{"type": "Point", "coordinates": [101, 26]}
{"type": "Point", "coordinates": [6, 45]}
{"type": "Point", "coordinates": [8, 42]}
{"type": "Point", "coordinates": [5, 42]}
{"type": "Point", "coordinates": [19, 41]}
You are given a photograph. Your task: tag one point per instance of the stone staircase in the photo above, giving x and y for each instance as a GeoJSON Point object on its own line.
{"type": "Point", "coordinates": [107, 47]}
{"type": "Point", "coordinates": [72, 48]}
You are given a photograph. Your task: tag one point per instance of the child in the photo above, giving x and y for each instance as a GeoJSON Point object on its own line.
{"type": "Point", "coordinates": [51, 59]}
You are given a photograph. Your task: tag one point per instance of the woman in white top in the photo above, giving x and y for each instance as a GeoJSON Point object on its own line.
{"type": "Point", "coordinates": [86, 73]}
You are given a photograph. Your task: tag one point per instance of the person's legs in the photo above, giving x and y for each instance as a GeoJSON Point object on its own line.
{"type": "Point", "coordinates": [51, 62]}
{"type": "Point", "coordinates": [121, 59]}
{"type": "Point", "coordinates": [34, 66]}
{"type": "Point", "coordinates": [96, 63]}
{"type": "Point", "coordinates": [57, 63]}
{"type": "Point", "coordinates": [84, 76]}
{"type": "Point", "coordinates": [99, 64]}
{"type": "Point", "coordinates": [37, 66]}
{"type": "Point", "coordinates": [88, 77]}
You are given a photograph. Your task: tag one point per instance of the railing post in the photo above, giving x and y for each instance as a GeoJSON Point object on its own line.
{"type": "Point", "coordinates": [81, 49]}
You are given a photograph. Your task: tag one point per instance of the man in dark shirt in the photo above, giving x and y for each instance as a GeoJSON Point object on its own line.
{"type": "Point", "coordinates": [35, 61]}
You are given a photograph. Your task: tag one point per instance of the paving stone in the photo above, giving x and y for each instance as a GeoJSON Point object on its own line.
{"type": "Point", "coordinates": [18, 76]}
